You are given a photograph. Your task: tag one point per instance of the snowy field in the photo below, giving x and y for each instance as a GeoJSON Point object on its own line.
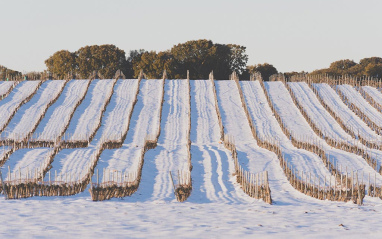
{"type": "Point", "coordinates": [217, 206]}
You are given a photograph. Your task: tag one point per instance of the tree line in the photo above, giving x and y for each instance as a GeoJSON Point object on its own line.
{"type": "Point", "coordinates": [198, 57]}
{"type": "Point", "coordinates": [8, 73]}
{"type": "Point", "coordinates": [371, 66]}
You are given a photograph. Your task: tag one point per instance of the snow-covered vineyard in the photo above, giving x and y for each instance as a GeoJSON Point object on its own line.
{"type": "Point", "coordinates": [301, 144]}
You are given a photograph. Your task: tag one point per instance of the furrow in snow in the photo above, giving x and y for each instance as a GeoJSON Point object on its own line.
{"type": "Point", "coordinates": [171, 153]}
{"type": "Point", "coordinates": [212, 175]}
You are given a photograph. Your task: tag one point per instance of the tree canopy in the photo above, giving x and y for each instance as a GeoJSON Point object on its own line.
{"type": "Point", "coordinates": [8, 73]}
{"type": "Point", "coordinates": [106, 59]}
{"type": "Point", "coordinates": [266, 70]}
{"type": "Point", "coordinates": [371, 66]}
{"type": "Point", "coordinates": [200, 57]}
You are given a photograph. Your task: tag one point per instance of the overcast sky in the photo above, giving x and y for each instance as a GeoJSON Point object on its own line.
{"type": "Point", "coordinates": [293, 35]}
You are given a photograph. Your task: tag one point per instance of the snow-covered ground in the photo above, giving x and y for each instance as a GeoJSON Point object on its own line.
{"type": "Point", "coordinates": [76, 162]}
{"type": "Point", "coordinates": [144, 121]}
{"type": "Point", "coordinates": [57, 116]}
{"type": "Point", "coordinates": [171, 152]}
{"type": "Point", "coordinates": [357, 99]}
{"type": "Point", "coordinates": [26, 118]}
{"type": "Point", "coordinates": [118, 120]}
{"type": "Point", "coordinates": [351, 120]}
{"type": "Point", "coordinates": [268, 128]}
{"type": "Point", "coordinates": [9, 104]}
{"type": "Point", "coordinates": [298, 126]}
{"type": "Point", "coordinates": [212, 163]}
{"type": "Point", "coordinates": [321, 118]}
{"type": "Point", "coordinates": [87, 116]}
{"type": "Point", "coordinates": [71, 165]}
{"type": "Point", "coordinates": [374, 93]}
{"type": "Point", "coordinates": [217, 207]}
{"type": "Point", "coordinates": [5, 86]}
{"type": "Point", "coordinates": [24, 162]}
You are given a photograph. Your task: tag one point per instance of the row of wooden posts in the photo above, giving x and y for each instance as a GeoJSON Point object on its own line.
{"type": "Point", "coordinates": [364, 152]}
{"type": "Point", "coordinates": [247, 180]}
{"type": "Point", "coordinates": [52, 76]}
{"type": "Point", "coordinates": [38, 187]}
{"type": "Point", "coordinates": [330, 140]}
{"type": "Point", "coordinates": [243, 177]}
{"type": "Point", "coordinates": [310, 189]}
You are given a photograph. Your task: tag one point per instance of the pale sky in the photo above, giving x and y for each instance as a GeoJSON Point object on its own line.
{"type": "Point", "coordinates": [293, 35]}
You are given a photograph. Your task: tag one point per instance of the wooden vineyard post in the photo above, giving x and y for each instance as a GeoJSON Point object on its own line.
{"type": "Point", "coordinates": [2, 184]}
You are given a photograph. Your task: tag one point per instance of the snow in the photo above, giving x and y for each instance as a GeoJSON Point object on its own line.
{"type": "Point", "coordinates": [374, 93]}
{"type": "Point", "coordinates": [357, 99]}
{"type": "Point", "coordinates": [351, 120]}
{"type": "Point", "coordinates": [250, 155]}
{"type": "Point", "coordinates": [87, 117]}
{"type": "Point", "coordinates": [72, 165]}
{"type": "Point", "coordinates": [5, 86]}
{"type": "Point", "coordinates": [144, 121]}
{"type": "Point", "coordinates": [321, 118]}
{"type": "Point", "coordinates": [171, 152]}
{"type": "Point", "coordinates": [212, 163]}
{"type": "Point", "coordinates": [26, 118]}
{"type": "Point", "coordinates": [23, 162]}
{"type": "Point", "coordinates": [76, 162]}
{"type": "Point", "coordinates": [57, 116]}
{"type": "Point", "coordinates": [78, 216]}
{"type": "Point", "coordinates": [293, 120]}
{"type": "Point", "coordinates": [14, 99]}
{"type": "Point", "coordinates": [217, 207]}
{"type": "Point", "coordinates": [122, 102]}
{"type": "Point", "coordinates": [268, 128]}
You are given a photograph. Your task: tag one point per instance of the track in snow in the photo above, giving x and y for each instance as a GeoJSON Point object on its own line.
{"type": "Point", "coordinates": [212, 167]}
{"type": "Point", "coordinates": [171, 152]}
